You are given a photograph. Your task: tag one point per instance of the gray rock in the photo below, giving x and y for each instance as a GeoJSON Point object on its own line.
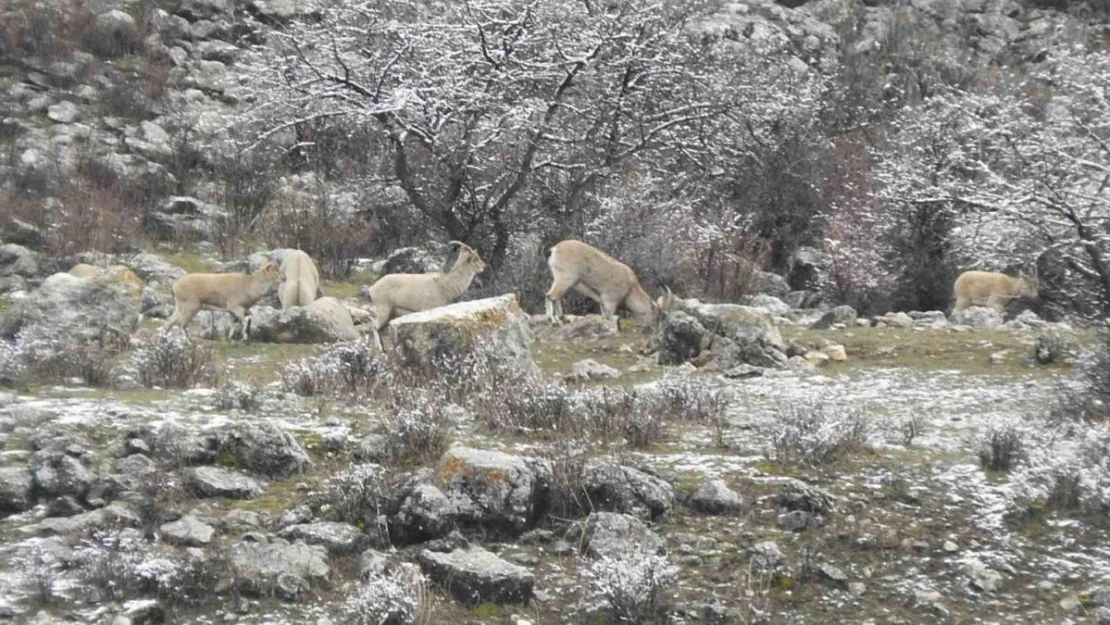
{"type": "Point", "coordinates": [680, 338]}
{"type": "Point", "coordinates": [153, 269]}
{"type": "Point", "coordinates": [264, 448]}
{"type": "Point", "coordinates": [174, 444]}
{"type": "Point", "coordinates": [976, 317]}
{"type": "Point", "coordinates": [929, 600]}
{"type": "Point", "coordinates": [766, 559]}
{"type": "Point", "coordinates": [833, 575]}
{"type": "Point", "coordinates": [715, 497]}
{"type": "Point", "coordinates": [16, 260]}
{"type": "Point", "coordinates": [194, 10]}
{"type": "Point", "coordinates": [64, 112]}
{"type": "Point", "coordinates": [425, 513]}
{"type": "Point", "coordinates": [810, 269]}
{"type": "Point", "coordinates": [281, 11]}
{"type": "Point", "coordinates": [79, 311]}
{"type": "Point", "coordinates": [183, 218]}
{"type": "Point", "coordinates": [609, 534]}
{"type": "Point", "coordinates": [295, 516]}
{"type": "Point", "coordinates": [1102, 616]}
{"type": "Point", "coordinates": [474, 575]}
{"type": "Point", "coordinates": [15, 489]}
{"type": "Point", "coordinates": [797, 520]}
{"type": "Point", "coordinates": [372, 563]}
{"type": "Point", "coordinates": [413, 260]}
{"type": "Point", "coordinates": [742, 334]}
{"type": "Point", "coordinates": [613, 488]}
{"type": "Point", "coordinates": [277, 566]}
{"type": "Point", "coordinates": [116, 31]}
{"type": "Point", "coordinates": [337, 538]}
{"type": "Point", "coordinates": [585, 328]}
{"type": "Point", "coordinates": [116, 514]}
{"type": "Point", "coordinates": [217, 51]}
{"type": "Point", "coordinates": [9, 284]}
{"type": "Point", "coordinates": [65, 505]}
{"type": "Point", "coordinates": [188, 531]}
{"type": "Point", "coordinates": [841, 314]}
{"type": "Point", "coordinates": [495, 327]}
{"type": "Point", "coordinates": [323, 321]}
{"type": "Point", "coordinates": [981, 577]}
{"type": "Point", "coordinates": [217, 482]}
{"type": "Point", "coordinates": [56, 474]}
{"type": "Point", "coordinates": [588, 369]}
{"type": "Point", "coordinates": [495, 491]}
{"type": "Point", "coordinates": [771, 285]}
{"type": "Point", "coordinates": [770, 303]}
{"type": "Point", "coordinates": [795, 494]}
{"type": "Point", "coordinates": [19, 232]}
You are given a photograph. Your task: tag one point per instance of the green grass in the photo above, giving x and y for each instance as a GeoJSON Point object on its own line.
{"type": "Point", "coordinates": [968, 352]}
{"type": "Point", "coordinates": [190, 262]}
{"type": "Point", "coordinates": [348, 289]}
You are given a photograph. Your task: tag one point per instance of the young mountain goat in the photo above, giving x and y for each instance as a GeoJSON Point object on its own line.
{"type": "Point", "coordinates": [995, 290]}
{"type": "Point", "coordinates": [233, 292]}
{"type": "Point", "coordinates": [299, 280]}
{"type": "Point", "coordinates": [602, 278]}
{"type": "Point", "coordinates": [402, 293]}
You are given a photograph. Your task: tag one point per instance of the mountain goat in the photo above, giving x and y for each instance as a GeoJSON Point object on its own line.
{"type": "Point", "coordinates": [402, 293]}
{"type": "Point", "coordinates": [995, 290]}
{"type": "Point", "coordinates": [602, 278]}
{"type": "Point", "coordinates": [233, 292]}
{"type": "Point", "coordinates": [82, 270]}
{"type": "Point", "coordinates": [299, 280]}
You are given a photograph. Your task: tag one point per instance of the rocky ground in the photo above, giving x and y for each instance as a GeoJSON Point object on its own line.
{"type": "Point", "coordinates": [841, 484]}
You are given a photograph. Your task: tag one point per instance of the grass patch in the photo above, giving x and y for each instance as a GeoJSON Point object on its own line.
{"type": "Point", "coordinates": [190, 262]}
{"type": "Point", "coordinates": [257, 363]}
{"type": "Point", "coordinates": [968, 352]}
{"type": "Point", "coordinates": [348, 289]}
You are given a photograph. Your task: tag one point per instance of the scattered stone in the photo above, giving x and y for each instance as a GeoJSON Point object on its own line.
{"type": "Point", "coordinates": [16, 260]}
{"type": "Point", "coordinates": [325, 320]}
{"type": "Point", "coordinates": [337, 538]}
{"type": "Point", "coordinates": [770, 303]}
{"type": "Point", "coordinates": [816, 358]}
{"type": "Point", "coordinates": [188, 531]}
{"type": "Point", "coordinates": [833, 575]}
{"type": "Point", "coordinates": [79, 311]}
{"type": "Point", "coordinates": [493, 490]}
{"type": "Point", "coordinates": [116, 514]}
{"type": "Point", "coordinates": [981, 577]}
{"type": "Point", "coordinates": [839, 315]}
{"type": "Point", "coordinates": [15, 489]}
{"type": "Point", "coordinates": [64, 506]}
{"type": "Point", "coordinates": [275, 565]}
{"type": "Point", "coordinates": [929, 600]}
{"type": "Point", "coordinates": [681, 338]}
{"type": "Point", "coordinates": [425, 513]}
{"type": "Point", "coordinates": [64, 112]}
{"type": "Point", "coordinates": [1071, 604]}
{"type": "Point", "coordinates": [715, 497]}
{"type": "Point", "coordinates": [836, 353]}
{"type": "Point", "coordinates": [797, 521]}
{"type": "Point", "coordinates": [795, 494]}
{"type": "Point", "coordinates": [976, 317]}
{"type": "Point", "coordinates": [474, 575]}
{"type": "Point", "coordinates": [495, 327]}
{"type": "Point", "coordinates": [57, 474]}
{"type": "Point", "coordinates": [590, 370]}
{"type": "Point", "coordinates": [217, 482]}
{"type": "Point", "coordinates": [767, 559]}
{"type": "Point", "coordinates": [586, 328]}
{"type": "Point", "coordinates": [371, 563]}
{"type": "Point", "coordinates": [856, 589]}
{"type": "Point", "coordinates": [950, 546]}
{"type": "Point", "coordinates": [264, 448]}
{"type": "Point", "coordinates": [614, 488]}
{"type": "Point", "coordinates": [608, 534]}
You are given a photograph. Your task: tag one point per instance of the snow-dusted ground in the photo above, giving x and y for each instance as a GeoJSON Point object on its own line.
{"type": "Point", "coordinates": [949, 523]}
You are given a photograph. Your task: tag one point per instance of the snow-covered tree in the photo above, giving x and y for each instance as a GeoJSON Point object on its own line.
{"type": "Point", "coordinates": [497, 116]}
{"type": "Point", "coordinates": [1017, 177]}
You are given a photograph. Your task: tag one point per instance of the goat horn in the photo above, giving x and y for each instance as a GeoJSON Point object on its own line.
{"type": "Point", "coordinates": [460, 244]}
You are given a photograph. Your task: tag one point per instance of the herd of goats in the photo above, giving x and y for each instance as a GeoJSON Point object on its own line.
{"type": "Point", "coordinates": [573, 264]}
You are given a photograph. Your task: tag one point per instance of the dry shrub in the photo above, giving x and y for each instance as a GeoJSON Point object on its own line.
{"type": "Point", "coordinates": [322, 230]}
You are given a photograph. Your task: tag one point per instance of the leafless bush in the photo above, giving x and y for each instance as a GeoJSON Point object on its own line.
{"type": "Point", "coordinates": [1087, 397]}
{"type": "Point", "coordinates": [49, 354]}
{"type": "Point", "coordinates": [351, 368]}
{"type": "Point", "coordinates": [234, 395]}
{"type": "Point", "coordinates": [568, 492]}
{"type": "Point", "coordinates": [1002, 446]}
{"type": "Point", "coordinates": [419, 427]}
{"type": "Point", "coordinates": [630, 588]}
{"type": "Point", "coordinates": [817, 433]}
{"type": "Point", "coordinates": [169, 359]}
{"type": "Point", "coordinates": [353, 495]}
{"type": "Point", "coordinates": [314, 224]}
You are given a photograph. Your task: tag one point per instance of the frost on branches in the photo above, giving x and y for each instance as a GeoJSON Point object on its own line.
{"type": "Point", "coordinates": [1023, 175]}
{"type": "Point", "coordinates": [497, 117]}
{"type": "Point", "coordinates": [629, 588]}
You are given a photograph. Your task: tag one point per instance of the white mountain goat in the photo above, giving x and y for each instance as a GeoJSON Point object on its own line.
{"type": "Point", "coordinates": [233, 292]}
{"type": "Point", "coordinates": [602, 278]}
{"type": "Point", "coordinates": [995, 290]}
{"type": "Point", "coordinates": [402, 293]}
{"type": "Point", "coordinates": [299, 280]}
